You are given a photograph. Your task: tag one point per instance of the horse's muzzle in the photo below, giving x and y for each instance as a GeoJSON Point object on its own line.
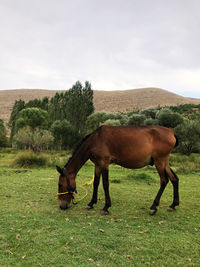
{"type": "Point", "coordinates": [64, 205]}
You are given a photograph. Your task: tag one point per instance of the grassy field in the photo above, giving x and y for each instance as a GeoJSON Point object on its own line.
{"type": "Point", "coordinates": [35, 232]}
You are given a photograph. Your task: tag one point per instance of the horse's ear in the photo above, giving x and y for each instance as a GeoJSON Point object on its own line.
{"type": "Point", "coordinates": [59, 170]}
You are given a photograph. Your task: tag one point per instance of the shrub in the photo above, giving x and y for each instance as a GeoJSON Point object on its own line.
{"type": "Point", "coordinates": [168, 118]}
{"type": "Point", "coordinates": [150, 122]}
{"type": "Point", "coordinates": [112, 122]}
{"type": "Point", "coordinates": [136, 120]}
{"type": "Point", "coordinates": [36, 139]}
{"type": "Point", "coordinates": [149, 113]}
{"type": "Point", "coordinates": [189, 137]}
{"type": "Point", "coordinates": [30, 159]}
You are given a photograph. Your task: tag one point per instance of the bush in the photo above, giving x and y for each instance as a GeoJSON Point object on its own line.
{"type": "Point", "coordinates": [36, 139]}
{"type": "Point", "coordinates": [30, 159]}
{"type": "Point", "coordinates": [112, 122]}
{"type": "Point", "coordinates": [149, 113]}
{"type": "Point", "coordinates": [189, 137]}
{"type": "Point", "coordinates": [168, 118]}
{"type": "Point", "coordinates": [136, 120]}
{"type": "Point", "coordinates": [150, 122]}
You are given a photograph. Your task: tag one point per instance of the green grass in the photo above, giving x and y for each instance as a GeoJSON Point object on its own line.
{"type": "Point", "coordinates": [35, 232]}
{"type": "Point", "coordinates": [30, 159]}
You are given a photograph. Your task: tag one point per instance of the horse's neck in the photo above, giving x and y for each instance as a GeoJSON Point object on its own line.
{"type": "Point", "coordinates": [79, 159]}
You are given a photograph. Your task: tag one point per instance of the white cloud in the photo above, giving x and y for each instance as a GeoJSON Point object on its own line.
{"type": "Point", "coordinates": [114, 44]}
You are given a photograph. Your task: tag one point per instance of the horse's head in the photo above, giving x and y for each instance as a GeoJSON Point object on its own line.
{"type": "Point", "coordinates": [65, 189]}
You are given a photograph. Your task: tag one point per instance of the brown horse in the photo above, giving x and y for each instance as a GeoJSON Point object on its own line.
{"type": "Point", "coordinates": [127, 146]}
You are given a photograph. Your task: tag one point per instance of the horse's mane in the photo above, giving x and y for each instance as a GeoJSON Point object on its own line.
{"type": "Point", "coordinates": [77, 147]}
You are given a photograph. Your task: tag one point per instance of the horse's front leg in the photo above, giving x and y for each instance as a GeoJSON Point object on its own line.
{"type": "Point", "coordinates": [97, 175]}
{"type": "Point", "coordinates": [106, 191]}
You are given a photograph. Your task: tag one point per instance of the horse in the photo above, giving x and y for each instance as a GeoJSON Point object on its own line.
{"type": "Point", "coordinates": [131, 147]}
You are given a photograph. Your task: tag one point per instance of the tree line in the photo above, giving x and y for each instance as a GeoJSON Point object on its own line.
{"type": "Point", "coordinates": [61, 121]}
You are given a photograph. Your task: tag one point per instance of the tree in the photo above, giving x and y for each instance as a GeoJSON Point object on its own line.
{"type": "Point", "coordinates": [33, 117]}
{"type": "Point", "coordinates": [64, 134]}
{"type": "Point", "coordinates": [150, 113]}
{"type": "Point", "coordinates": [38, 103]}
{"type": "Point", "coordinates": [189, 137]}
{"type": "Point", "coordinates": [75, 105]}
{"type": "Point", "coordinates": [3, 138]}
{"type": "Point", "coordinates": [99, 118]}
{"type": "Point", "coordinates": [18, 106]}
{"type": "Point", "coordinates": [58, 106]}
{"type": "Point", "coordinates": [31, 128]}
{"type": "Point", "coordinates": [35, 139]}
{"type": "Point", "coordinates": [168, 118]}
{"type": "Point", "coordinates": [95, 120]}
{"type": "Point", "coordinates": [79, 106]}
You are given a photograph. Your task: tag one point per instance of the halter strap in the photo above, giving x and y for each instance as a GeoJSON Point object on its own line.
{"type": "Point", "coordinates": [70, 188]}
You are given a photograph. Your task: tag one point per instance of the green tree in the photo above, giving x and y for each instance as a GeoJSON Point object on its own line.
{"type": "Point", "coordinates": [168, 118]}
{"type": "Point", "coordinates": [3, 137]}
{"type": "Point", "coordinates": [38, 103]}
{"type": "Point", "coordinates": [64, 134]}
{"type": "Point", "coordinates": [58, 106]}
{"type": "Point", "coordinates": [150, 113]}
{"type": "Point", "coordinates": [189, 137]}
{"type": "Point", "coordinates": [95, 120]}
{"type": "Point", "coordinates": [33, 117]}
{"type": "Point", "coordinates": [18, 106]}
{"type": "Point", "coordinates": [35, 139]}
{"type": "Point", "coordinates": [79, 106]}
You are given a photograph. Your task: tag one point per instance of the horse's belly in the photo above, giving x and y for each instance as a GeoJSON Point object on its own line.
{"type": "Point", "coordinates": [134, 164]}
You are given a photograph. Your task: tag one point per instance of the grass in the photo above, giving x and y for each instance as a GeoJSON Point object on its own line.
{"type": "Point", "coordinates": [34, 232]}
{"type": "Point", "coordinates": [30, 159]}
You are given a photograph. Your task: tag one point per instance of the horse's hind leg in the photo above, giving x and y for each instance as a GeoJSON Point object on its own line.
{"type": "Point", "coordinates": [175, 181]}
{"type": "Point", "coordinates": [95, 187]}
{"type": "Point", "coordinates": [160, 166]}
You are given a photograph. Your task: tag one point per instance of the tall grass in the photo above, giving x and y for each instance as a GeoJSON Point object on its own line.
{"type": "Point", "coordinates": [30, 159]}
{"type": "Point", "coordinates": [185, 164]}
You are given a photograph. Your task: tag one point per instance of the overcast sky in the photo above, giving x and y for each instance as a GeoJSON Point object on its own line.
{"type": "Point", "coordinates": [115, 44]}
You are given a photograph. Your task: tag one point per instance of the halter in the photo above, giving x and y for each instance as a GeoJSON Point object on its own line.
{"type": "Point", "coordinates": [71, 189]}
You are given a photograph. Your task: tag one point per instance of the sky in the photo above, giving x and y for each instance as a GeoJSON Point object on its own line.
{"type": "Point", "coordinates": [114, 44]}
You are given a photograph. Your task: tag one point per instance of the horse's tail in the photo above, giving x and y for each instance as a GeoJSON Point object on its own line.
{"type": "Point", "coordinates": [177, 142]}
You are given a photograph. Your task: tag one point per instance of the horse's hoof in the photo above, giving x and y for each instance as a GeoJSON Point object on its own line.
{"type": "Point", "coordinates": [170, 209]}
{"type": "Point", "coordinates": [152, 212]}
{"type": "Point", "coordinates": [104, 212]}
{"type": "Point", "coordinates": [89, 207]}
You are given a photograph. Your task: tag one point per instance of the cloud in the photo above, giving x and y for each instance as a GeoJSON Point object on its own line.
{"type": "Point", "coordinates": [114, 44]}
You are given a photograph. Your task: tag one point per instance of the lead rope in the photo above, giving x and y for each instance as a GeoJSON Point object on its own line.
{"type": "Point", "coordinates": [76, 200]}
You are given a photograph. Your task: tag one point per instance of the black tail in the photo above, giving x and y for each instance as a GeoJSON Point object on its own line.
{"type": "Point", "coordinates": [177, 142]}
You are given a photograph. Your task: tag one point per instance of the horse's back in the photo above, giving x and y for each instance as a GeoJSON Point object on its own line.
{"type": "Point", "coordinates": [137, 135]}
{"type": "Point", "coordinates": [133, 147]}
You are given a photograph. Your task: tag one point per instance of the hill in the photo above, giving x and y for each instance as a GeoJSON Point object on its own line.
{"type": "Point", "coordinates": [109, 101]}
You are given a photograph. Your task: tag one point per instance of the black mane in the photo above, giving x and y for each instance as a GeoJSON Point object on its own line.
{"type": "Point", "coordinates": [77, 147]}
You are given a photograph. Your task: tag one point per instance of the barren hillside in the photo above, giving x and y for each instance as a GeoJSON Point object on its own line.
{"type": "Point", "coordinates": [110, 101]}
